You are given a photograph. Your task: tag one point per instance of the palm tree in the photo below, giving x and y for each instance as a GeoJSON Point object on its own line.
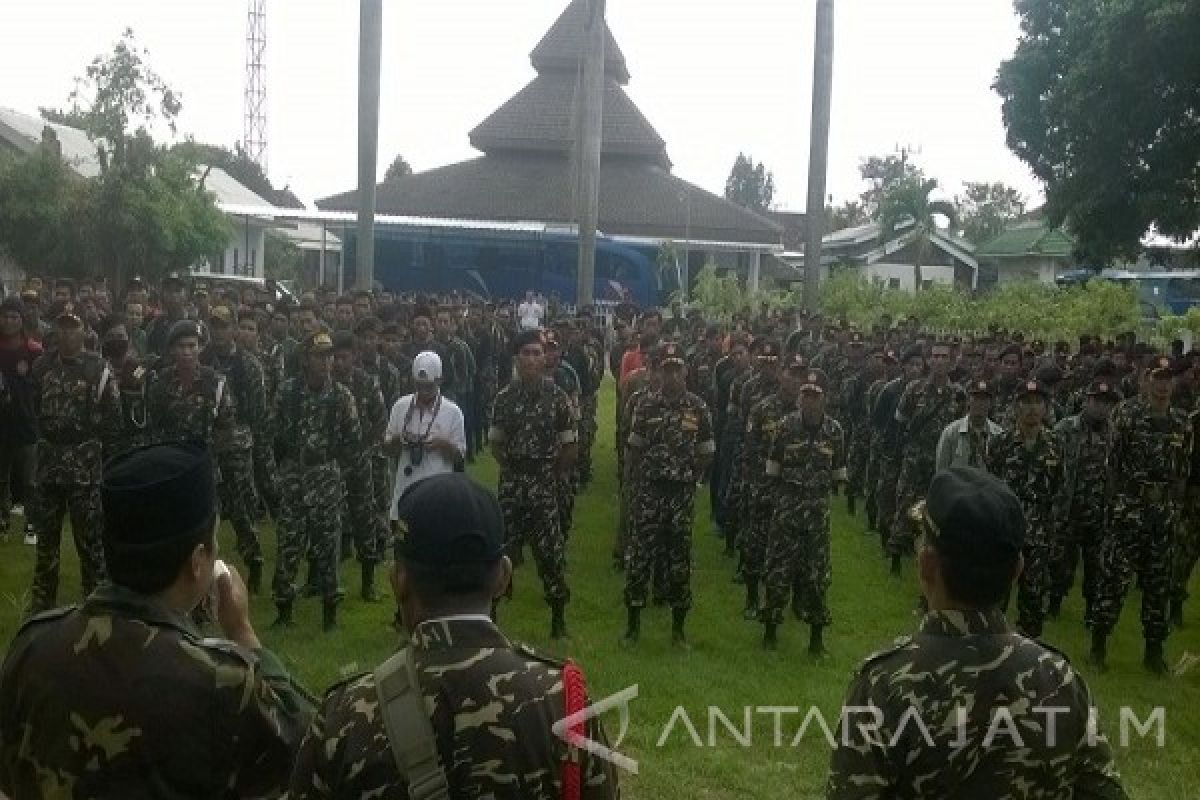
{"type": "Point", "coordinates": [907, 207]}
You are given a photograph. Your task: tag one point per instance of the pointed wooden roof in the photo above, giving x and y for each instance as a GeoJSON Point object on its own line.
{"type": "Point", "coordinates": [563, 46]}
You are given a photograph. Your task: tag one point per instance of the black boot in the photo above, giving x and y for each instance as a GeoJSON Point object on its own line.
{"type": "Point", "coordinates": [1177, 613]}
{"type": "Point", "coordinates": [851, 504]}
{"type": "Point", "coordinates": [329, 615]}
{"type": "Point", "coordinates": [1154, 661]}
{"type": "Point", "coordinates": [816, 641]}
{"type": "Point", "coordinates": [770, 636]}
{"type": "Point", "coordinates": [1055, 608]}
{"type": "Point", "coordinates": [368, 584]}
{"type": "Point", "coordinates": [558, 621]}
{"type": "Point", "coordinates": [284, 620]}
{"type": "Point", "coordinates": [312, 587]}
{"type": "Point", "coordinates": [254, 577]}
{"type": "Point", "coordinates": [896, 566]}
{"type": "Point", "coordinates": [633, 627]}
{"type": "Point", "coordinates": [1098, 656]}
{"type": "Point", "coordinates": [750, 612]}
{"type": "Point", "coordinates": [678, 637]}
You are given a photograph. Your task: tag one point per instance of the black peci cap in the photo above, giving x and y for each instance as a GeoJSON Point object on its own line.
{"type": "Point", "coordinates": [974, 513]}
{"type": "Point", "coordinates": [449, 520]}
{"type": "Point", "coordinates": [153, 495]}
{"type": "Point", "coordinates": [182, 329]}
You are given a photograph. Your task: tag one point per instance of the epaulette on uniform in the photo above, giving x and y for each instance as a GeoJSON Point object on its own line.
{"type": "Point", "coordinates": [534, 655]}
{"type": "Point", "coordinates": [901, 643]}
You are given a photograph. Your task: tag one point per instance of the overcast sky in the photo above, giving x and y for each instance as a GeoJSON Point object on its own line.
{"type": "Point", "coordinates": [715, 77]}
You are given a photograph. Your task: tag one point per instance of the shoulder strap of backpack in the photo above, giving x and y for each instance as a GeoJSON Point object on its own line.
{"type": "Point", "coordinates": [409, 731]}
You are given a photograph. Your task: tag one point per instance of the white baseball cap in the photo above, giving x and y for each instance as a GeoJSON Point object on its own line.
{"type": "Point", "coordinates": [427, 366]}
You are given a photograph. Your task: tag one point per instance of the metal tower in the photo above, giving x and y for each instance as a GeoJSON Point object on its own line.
{"type": "Point", "coordinates": [254, 136]}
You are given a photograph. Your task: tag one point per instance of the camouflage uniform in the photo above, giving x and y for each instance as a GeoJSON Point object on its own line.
{"type": "Point", "coordinates": [154, 710]}
{"type": "Point", "coordinates": [531, 423]}
{"type": "Point", "coordinates": [388, 379]}
{"type": "Point", "coordinates": [887, 456]}
{"type": "Point", "coordinates": [78, 410]}
{"type": "Point", "coordinates": [1187, 540]}
{"type": "Point", "coordinates": [1148, 461]}
{"type": "Point", "coordinates": [191, 413]}
{"type": "Point", "coordinates": [956, 674]}
{"type": "Point", "coordinates": [364, 514]}
{"type": "Point", "coordinates": [320, 442]}
{"type": "Point", "coordinates": [566, 378]}
{"type": "Point", "coordinates": [463, 666]}
{"type": "Point", "coordinates": [671, 436]}
{"type": "Point", "coordinates": [635, 385]}
{"type": "Point", "coordinates": [857, 430]}
{"type": "Point", "coordinates": [233, 445]}
{"type": "Point", "coordinates": [922, 414]}
{"type": "Point", "coordinates": [1034, 472]}
{"type": "Point", "coordinates": [761, 427]}
{"type": "Point", "coordinates": [1085, 499]}
{"type": "Point", "coordinates": [804, 463]}
{"type": "Point", "coordinates": [273, 360]}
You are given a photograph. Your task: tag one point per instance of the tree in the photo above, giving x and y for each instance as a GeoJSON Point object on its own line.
{"type": "Point", "coordinates": [750, 184]}
{"type": "Point", "coordinates": [986, 209]}
{"type": "Point", "coordinates": [147, 214]}
{"type": "Point", "coordinates": [282, 259]}
{"type": "Point", "coordinates": [241, 168]}
{"type": "Point", "coordinates": [908, 208]}
{"type": "Point", "coordinates": [847, 215]}
{"type": "Point", "coordinates": [883, 172]}
{"type": "Point", "coordinates": [398, 169]}
{"type": "Point", "coordinates": [1100, 101]}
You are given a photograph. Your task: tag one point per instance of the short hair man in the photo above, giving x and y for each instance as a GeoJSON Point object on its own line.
{"type": "Point", "coordinates": [450, 566]}
{"type": "Point", "coordinates": [144, 691]}
{"type": "Point", "coordinates": [972, 695]}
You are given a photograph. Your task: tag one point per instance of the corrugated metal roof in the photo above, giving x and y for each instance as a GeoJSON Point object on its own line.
{"type": "Point", "coordinates": [24, 132]}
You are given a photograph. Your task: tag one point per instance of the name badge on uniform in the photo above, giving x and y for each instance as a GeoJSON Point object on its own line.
{"type": "Point", "coordinates": [690, 422]}
{"type": "Point", "coordinates": [825, 450]}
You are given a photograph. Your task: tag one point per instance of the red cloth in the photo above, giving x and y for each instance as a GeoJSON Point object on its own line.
{"type": "Point", "coordinates": [632, 360]}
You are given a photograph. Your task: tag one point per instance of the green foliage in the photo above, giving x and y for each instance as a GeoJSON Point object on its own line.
{"type": "Point", "coordinates": [883, 172]}
{"type": "Point", "coordinates": [283, 260]}
{"type": "Point", "coordinates": [908, 208]}
{"type": "Point", "coordinates": [849, 214]}
{"type": "Point", "coordinates": [241, 168]}
{"type": "Point", "coordinates": [1100, 101]}
{"type": "Point", "coordinates": [398, 169]}
{"type": "Point", "coordinates": [986, 209]}
{"type": "Point", "coordinates": [44, 208]}
{"type": "Point", "coordinates": [750, 184]}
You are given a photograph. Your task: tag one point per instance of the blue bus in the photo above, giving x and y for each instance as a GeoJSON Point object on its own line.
{"type": "Point", "coordinates": [1159, 291]}
{"type": "Point", "coordinates": [504, 264]}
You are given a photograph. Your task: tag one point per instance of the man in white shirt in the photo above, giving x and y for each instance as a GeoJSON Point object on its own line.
{"type": "Point", "coordinates": [964, 442]}
{"type": "Point", "coordinates": [425, 433]}
{"type": "Point", "coordinates": [530, 313]}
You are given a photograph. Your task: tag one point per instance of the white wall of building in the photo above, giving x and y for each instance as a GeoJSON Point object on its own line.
{"type": "Point", "coordinates": [244, 253]}
{"type": "Point", "coordinates": [900, 276]}
{"type": "Point", "coordinates": [1023, 270]}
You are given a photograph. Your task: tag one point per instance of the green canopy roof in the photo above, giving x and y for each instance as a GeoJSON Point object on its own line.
{"type": "Point", "coordinates": [1030, 238]}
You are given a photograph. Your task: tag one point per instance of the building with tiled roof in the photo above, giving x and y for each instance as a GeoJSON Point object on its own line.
{"type": "Point", "coordinates": [1028, 250]}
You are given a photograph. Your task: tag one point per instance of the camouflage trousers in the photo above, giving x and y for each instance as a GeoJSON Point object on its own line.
{"type": "Point", "coordinates": [529, 502]}
{"type": "Point", "coordinates": [365, 524]}
{"type": "Point", "coordinates": [311, 520]}
{"type": "Point", "coordinates": [1187, 546]}
{"type": "Point", "coordinates": [568, 488]}
{"type": "Point", "coordinates": [1137, 542]}
{"type": "Point", "coordinates": [870, 484]}
{"type": "Point", "coordinates": [754, 528]}
{"type": "Point", "coordinates": [916, 470]}
{"type": "Point", "coordinates": [798, 562]}
{"type": "Point", "coordinates": [239, 501]}
{"type": "Point", "coordinates": [1082, 534]}
{"type": "Point", "coordinates": [734, 498]}
{"type": "Point", "coordinates": [1036, 582]}
{"type": "Point", "coordinates": [50, 503]}
{"type": "Point", "coordinates": [856, 459]}
{"type": "Point", "coordinates": [660, 533]}
{"type": "Point", "coordinates": [885, 498]}
{"type": "Point", "coordinates": [587, 435]}
{"type": "Point", "coordinates": [265, 479]}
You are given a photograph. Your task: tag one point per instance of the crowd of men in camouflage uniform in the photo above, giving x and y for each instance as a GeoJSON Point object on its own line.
{"type": "Point", "coordinates": [292, 398]}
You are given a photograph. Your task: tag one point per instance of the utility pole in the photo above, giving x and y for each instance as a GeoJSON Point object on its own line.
{"type": "Point", "coordinates": [590, 133]}
{"type": "Point", "coordinates": [370, 50]}
{"type": "Point", "coordinates": [818, 158]}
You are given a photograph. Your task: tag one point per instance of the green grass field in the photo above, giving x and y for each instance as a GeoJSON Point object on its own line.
{"type": "Point", "coordinates": [726, 668]}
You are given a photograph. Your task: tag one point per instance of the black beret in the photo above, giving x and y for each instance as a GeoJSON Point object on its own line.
{"type": "Point", "coordinates": [182, 328]}
{"type": "Point", "coordinates": [975, 513]}
{"type": "Point", "coordinates": [157, 494]}
{"type": "Point", "coordinates": [448, 520]}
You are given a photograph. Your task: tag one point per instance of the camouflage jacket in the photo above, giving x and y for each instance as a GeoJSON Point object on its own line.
{"type": "Point", "coordinates": [369, 402]}
{"type": "Point", "coordinates": [938, 694]}
{"type": "Point", "coordinates": [701, 379]}
{"type": "Point", "coordinates": [492, 705]}
{"type": "Point", "coordinates": [532, 422]}
{"type": "Point", "coordinates": [77, 405]}
{"type": "Point", "coordinates": [318, 426]}
{"type": "Point", "coordinates": [1146, 448]}
{"type": "Point", "coordinates": [761, 427]}
{"type": "Point", "coordinates": [246, 382]}
{"type": "Point", "coordinates": [1034, 473]}
{"type": "Point", "coordinates": [673, 436]}
{"type": "Point", "coordinates": [391, 383]}
{"type": "Point", "coordinates": [807, 459]}
{"type": "Point", "coordinates": [202, 411]}
{"type": "Point", "coordinates": [123, 698]}
{"type": "Point", "coordinates": [1085, 457]}
{"type": "Point", "coordinates": [923, 413]}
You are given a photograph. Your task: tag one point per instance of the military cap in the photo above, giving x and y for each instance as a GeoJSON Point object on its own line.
{"type": "Point", "coordinates": [1032, 387]}
{"type": "Point", "coordinates": [768, 350]}
{"type": "Point", "coordinates": [31, 296]}
{"type": "Point", "coordinates": [220, 316]}
{"type": "Point", "coordinates": [857, 339]}
{"type": "Point", "coordinates": [814, 381]}
{"type": "Point", "coordinates": [795, 361]}
{"type": "Point", "coordinates": [319, 342]}
{"type": "Point", "coordinates": [342, 341]}
{"type": "Point", "coordinates": [181, 329]}
{"type": "Point", "coordinates": [526, 338]}
{"type": "Point", "coordinates": [550, 340]}
{"type": "Point", "coordinates": [669, 353]}
{"type": "Point", "coordinates": [1105, 389]}
{"type": "Point", "coordinates": [980, 387]}
{"type": "Point", "coordinates": [889, 357]}
{"type": "Point", "coordinates": [172, 282]}
{"type": "Point", "coordinates": [973, 512]}
{"type": "Point", "coordinates": [1162, 367]}
{"type": "Point", "coordinates": [1049, 373]}
{"type": "Point", "coordinates": [67, 318]}
{"type": "Point", "coordinates": [449, 520]}
{"type": "Point", "coordinates": [1062, 346]}
{"type": "Point", "coordinates": [1013, 349]}
{"type": "Point", "coordinates": [155, 495]}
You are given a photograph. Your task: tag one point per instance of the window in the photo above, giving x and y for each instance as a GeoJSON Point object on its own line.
{"type": "Point", "coordinates": [893, 283]}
